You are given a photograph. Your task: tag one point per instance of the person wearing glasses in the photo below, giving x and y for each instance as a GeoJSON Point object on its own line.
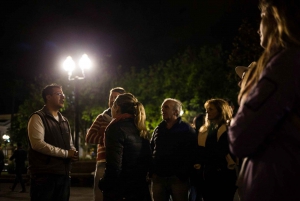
{"type": "Point", "coordinates": [51, 149]}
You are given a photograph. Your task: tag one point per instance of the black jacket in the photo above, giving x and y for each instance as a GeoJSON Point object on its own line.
{"type": "Point", "coordinates": [20, 156]}
{"type": "Point", "coordinates": [173, 149]}
{"type": "Point", "coordinates": [128, 158]}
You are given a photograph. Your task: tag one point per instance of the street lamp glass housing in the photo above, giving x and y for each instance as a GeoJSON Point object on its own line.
{"type": "Point", "coordinates": [84, 62]}
{"type": "Point", "coordinates": [6, 138]}
{"type": "Point", "coordinates": [69, 64]}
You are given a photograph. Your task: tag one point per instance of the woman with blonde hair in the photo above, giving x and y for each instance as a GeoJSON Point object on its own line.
{"type": "Point", "coordinates": [214, 158]}
{"type": "Point", "coordinates": [266, 129]}
{"type": "Point", "coordinates": [128, 153]}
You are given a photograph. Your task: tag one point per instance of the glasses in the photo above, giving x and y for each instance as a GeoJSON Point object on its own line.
{"type": "Point", "coordinates": [59, 94]}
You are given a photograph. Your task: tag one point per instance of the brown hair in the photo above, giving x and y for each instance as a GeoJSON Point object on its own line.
{"type": "Point", "coordinates": [120, 90]}
{"type": "Point", "coordinates": [284, 20]}
{"type": "Point", "coordinates": [130, 104]}
{"type": "Point", "coordinates": [224, 109]}
{"type": "Point", "coordinates": [48, 90]}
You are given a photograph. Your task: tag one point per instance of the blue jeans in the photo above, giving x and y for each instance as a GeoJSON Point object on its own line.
{"type": "Point", "coordinates": [164, 187]}
{"type": "Point", "coordinates": [49, 187]}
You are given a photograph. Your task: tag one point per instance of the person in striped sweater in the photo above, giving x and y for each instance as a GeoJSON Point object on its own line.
{"type": "Point", "coordinates": [95, 135]}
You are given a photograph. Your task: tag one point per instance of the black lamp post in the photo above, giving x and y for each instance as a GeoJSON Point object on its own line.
{"type": "Point", "coordinates": [6, 140]}
{"type": "Point", "coordinates": [74, 74]}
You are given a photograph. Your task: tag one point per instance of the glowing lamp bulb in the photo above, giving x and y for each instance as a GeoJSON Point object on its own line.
{"type": "Point", "coordinates": [84, 62]}
{"type": "Point", "coordinates": [69, 64]}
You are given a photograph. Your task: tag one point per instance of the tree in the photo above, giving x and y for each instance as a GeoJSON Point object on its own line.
{"type": "Point", "coordinates": [246, 48]}
{"type": "Point", "coordinates": [192, 77]}
{"type": "Point", "coordinates": [246, 45]}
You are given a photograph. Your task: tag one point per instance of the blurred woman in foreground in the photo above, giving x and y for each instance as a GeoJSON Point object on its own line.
{"type": "Point", "coordinates": [266, 129]}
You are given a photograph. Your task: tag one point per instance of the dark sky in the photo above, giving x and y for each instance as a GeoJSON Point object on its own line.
{"type": "Point", "coordinates": [36, 36]}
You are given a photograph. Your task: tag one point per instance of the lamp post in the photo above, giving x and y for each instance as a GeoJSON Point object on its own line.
{"type": "Point", "coordinates": [6, 140]}
{"type": "Point", "coordinates": [73, 74]}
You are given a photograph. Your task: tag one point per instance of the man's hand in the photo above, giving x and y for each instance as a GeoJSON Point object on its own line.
{"type": "Point", "coordinates": [73, 154]}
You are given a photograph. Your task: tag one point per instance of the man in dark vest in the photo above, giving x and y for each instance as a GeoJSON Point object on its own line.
{"type": "Point", "coordinates": [51, 148]}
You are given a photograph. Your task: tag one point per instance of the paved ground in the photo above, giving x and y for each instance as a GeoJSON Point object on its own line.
{"type": "Point", "coordinates": [77, 193]}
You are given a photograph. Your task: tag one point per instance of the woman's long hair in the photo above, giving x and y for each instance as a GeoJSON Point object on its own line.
{"type": "Point", "coordinates": [284, 23]}
{"type": "Point", "coordinates": [225, 113]}
{"type": "Point", "coordinates": [130, 104]}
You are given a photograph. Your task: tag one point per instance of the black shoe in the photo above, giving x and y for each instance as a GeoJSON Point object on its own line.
{"type": "Point", "coordinates": [22, 191]}
{"type": "Point", "coordinates": [11, 188]}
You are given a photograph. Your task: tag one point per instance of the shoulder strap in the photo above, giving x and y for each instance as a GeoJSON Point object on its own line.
{"type": "Point", "coordinates": [202, 135]}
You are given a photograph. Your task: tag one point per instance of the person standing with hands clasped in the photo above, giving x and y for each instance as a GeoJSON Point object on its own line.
{"type": "Point", "coordinates": [51, 149]}
{"type": "Point", "coordinates": [213, 156]}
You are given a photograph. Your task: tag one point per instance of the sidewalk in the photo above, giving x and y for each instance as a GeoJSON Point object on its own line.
{"type": "Point", "coordinates": [77, 193]}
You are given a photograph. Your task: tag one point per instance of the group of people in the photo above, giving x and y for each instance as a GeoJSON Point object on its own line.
{"type": "Point", "coordinates": [177, 160]}
{"type": "Point", "coordinates": [128, 157]}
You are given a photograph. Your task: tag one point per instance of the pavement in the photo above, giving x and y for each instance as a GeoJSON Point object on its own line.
{"type": "Point", "coordinates": [77, 193]}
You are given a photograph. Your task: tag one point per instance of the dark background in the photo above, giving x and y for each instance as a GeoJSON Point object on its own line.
{"type": "Point", "coordinates": [36, 36]}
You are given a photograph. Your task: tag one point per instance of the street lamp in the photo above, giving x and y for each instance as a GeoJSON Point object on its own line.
{"type": "Point", "coordinates": [73, 74]}
{"type": "Point", "coordinates": [69, 65]}
{"type": "Point", "coordinates": [6, 137]}
{"type": "Point", "coordinates": [6, 140]}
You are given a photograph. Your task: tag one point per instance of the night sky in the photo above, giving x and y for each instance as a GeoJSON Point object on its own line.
{"type": "Point", "coordinates": [36, 36]}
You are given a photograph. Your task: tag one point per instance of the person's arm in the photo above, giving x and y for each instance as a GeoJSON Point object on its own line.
{"type": "Point", "coordinates": [267, 104]}
{"type": "Point", "coordinates": [95, 134]}
{"type": "Point", "coordinates": [152, 140]}
{"type": "Point", "coordinates": [71, 141]}
{"type": "Point", "coordinates": [190, 145]}
{"type": "Point", "coordinates": [114, 139]}
{"type": "Point", "coordinates": [151, 167]}
{"type": "Point", "coordinates": [189, 148]}
{"type": "Point", "coordinates": [36, 134]}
